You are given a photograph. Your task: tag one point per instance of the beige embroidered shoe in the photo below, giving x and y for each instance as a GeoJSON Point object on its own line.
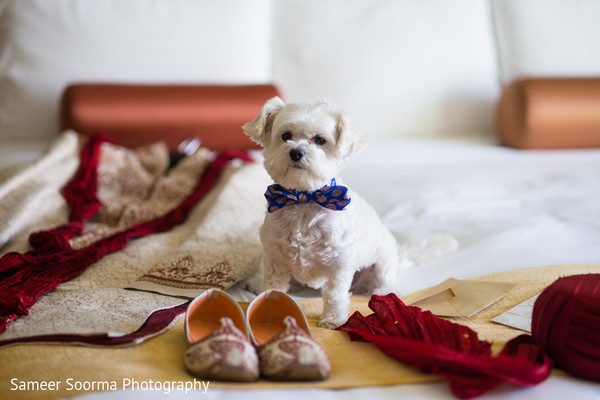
{"type": "Point", "coordinates": [286, 348]}
{"type": "Point", "coordinates": [217, 337]}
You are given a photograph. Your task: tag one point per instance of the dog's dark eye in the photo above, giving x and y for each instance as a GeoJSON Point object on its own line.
{"type": "Point", "coordinates": [320, 140]}
{"type": "Point", "coordinates": [287, 135]}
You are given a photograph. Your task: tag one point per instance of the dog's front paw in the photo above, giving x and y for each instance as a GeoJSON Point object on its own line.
{"type": "Point", "coordinates": [254, 284]}
{"type": "Point", "coordinates": [383, 290]}
{"type": "Point", "coordinates": [277, 284]}
{"type": "Point", "coordinates": [331, 323]}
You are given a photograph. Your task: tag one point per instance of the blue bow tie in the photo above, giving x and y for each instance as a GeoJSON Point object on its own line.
{"type": "Point", "coordinates": [332, 197]}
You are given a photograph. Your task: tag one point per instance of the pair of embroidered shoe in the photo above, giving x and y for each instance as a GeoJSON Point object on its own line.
{"type": "Point", "coordinates": [273, 340]}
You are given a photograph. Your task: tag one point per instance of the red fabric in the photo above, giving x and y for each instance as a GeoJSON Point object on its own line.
{"type": "Point", "coordinates": [566, 323]}
{"type": "Point", "coordinates": [434, 345]}
{"type": "Point", "coordinates": [25, 277]}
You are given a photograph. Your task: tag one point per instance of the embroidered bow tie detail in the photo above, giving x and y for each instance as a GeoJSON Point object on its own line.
{"type": "Point", "coordinates": [332, 197]}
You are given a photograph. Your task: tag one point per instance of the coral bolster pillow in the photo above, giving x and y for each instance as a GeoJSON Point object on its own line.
{"type": "Point", "coordinates": [137, 115]}
{"type": "Point", "coordinates": [550, 113]}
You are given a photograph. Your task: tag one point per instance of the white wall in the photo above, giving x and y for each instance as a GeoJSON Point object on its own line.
{"type": "Point", "coordinates": [398, 67]}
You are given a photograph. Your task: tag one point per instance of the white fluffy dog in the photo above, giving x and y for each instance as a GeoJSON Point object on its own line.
{"type": "Point", "coordinates": [317, 237]}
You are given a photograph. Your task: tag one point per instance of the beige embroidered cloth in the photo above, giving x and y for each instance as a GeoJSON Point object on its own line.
{"type": "Point", "coordinates": [216, 246]}
{"type": "Point", "coordinates": [28, 194]}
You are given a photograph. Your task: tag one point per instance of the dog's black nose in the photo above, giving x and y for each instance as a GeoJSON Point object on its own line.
{"type": "Point", "coordinates": [297, 154]}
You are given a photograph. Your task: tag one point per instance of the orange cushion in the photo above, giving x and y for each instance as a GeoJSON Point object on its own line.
{"type": "Point", "coordinates": [137, 115]}
{"type": "Point", "coordinates": [550, 113]}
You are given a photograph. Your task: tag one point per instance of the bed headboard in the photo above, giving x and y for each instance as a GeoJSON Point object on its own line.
{"type": "Point", "coordinates": [137, 115]}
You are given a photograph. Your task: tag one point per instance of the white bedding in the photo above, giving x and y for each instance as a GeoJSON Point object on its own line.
{"type": "Point", "coordinates": [505, 209]}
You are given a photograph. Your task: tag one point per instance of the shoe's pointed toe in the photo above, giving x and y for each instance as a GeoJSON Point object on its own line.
{"type": "Point", "coordinates": [286, 348]}
{"type": "Point", "coordinates": [218, 344]}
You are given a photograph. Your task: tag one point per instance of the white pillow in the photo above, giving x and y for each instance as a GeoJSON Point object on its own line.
{"type": "Point", "coordinates": [398, 67]}
{"type": "Point", "coordinates": [47, 44]}
{"type": "Point", "coordinates": [547, 38]}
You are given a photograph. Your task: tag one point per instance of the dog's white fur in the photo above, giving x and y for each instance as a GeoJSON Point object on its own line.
{"type": "Point", "coordinates": [318, 247]}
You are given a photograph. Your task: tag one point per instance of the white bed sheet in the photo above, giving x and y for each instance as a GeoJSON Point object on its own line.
{"type": "Point", "coordinates": [506, 209]}
{"type": "Point", "coordinates": [556, 387]}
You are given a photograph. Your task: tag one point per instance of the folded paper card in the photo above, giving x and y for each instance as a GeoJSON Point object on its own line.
{"type": "Point", "coordinates": [461, 298]}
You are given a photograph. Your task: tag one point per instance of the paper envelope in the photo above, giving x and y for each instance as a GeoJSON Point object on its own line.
{"type": "Point", "coordinates": [461, 298]}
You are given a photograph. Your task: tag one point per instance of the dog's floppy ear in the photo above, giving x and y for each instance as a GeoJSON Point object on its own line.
{"type": "Point", "coordinates": [349, 138]}
{"type": "Point", "coordinates": [260, 128]}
